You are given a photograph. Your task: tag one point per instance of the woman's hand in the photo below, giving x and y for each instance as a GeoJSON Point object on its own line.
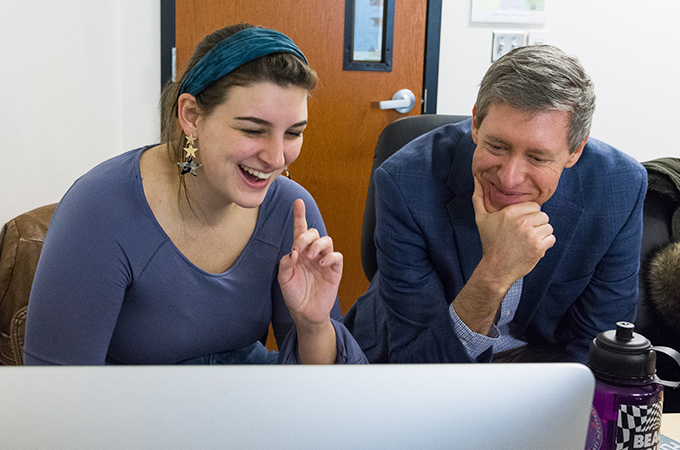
{"type": "Point", "coordinates": [309, 278]}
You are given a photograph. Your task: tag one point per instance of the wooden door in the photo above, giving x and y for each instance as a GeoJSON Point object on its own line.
{"type": "Point", "coordinates": [344, 121]}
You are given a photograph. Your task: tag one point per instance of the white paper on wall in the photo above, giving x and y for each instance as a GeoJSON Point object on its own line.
{"type": "Point", "coordinates": [509, 11]}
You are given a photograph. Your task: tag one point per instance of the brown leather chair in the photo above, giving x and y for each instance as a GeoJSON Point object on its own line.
{"type": "Point", "coordinates": [21, 241]}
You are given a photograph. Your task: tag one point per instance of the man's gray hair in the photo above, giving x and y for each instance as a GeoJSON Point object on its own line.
{"type": "Point", "coordinates": [541, 78]}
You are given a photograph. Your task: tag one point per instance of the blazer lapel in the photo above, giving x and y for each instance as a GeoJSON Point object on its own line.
{"type": "Point", "coordinates": [565, 209]}
{"type": "Point", "coordinates": [461, 212]}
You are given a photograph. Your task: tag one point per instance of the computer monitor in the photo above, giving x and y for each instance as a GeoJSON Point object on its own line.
{"type": "Point", "coordinates": [432, 406]}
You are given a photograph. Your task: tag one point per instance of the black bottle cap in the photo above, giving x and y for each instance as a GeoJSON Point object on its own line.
{"type": "Point", "coordinates": [622, 355]}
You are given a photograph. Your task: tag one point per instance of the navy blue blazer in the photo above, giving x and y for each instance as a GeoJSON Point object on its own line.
{"type": "Point", "coordinates": [428, 246]}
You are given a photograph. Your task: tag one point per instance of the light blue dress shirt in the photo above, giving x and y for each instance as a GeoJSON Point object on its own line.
{"type": "Point", "coordinates": [499, 336]}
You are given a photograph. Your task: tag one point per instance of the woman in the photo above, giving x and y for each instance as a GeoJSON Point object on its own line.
{"type": "Point", "coordinates": [185, 252]}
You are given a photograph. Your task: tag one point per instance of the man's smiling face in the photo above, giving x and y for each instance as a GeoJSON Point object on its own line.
{"type": "Point", "coordinates": [520, 154]}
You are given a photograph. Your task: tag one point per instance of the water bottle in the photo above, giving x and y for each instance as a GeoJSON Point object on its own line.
{"type": "Point", "coordinates": [628, 400]}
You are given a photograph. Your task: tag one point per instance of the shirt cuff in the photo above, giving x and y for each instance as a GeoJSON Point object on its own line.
{"type": "Point", "coordinates": [348, 350]}
{"type": "Point", "coordinates": [475, 344]}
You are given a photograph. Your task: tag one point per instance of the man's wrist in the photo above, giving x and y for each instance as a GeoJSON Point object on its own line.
{"type": "Point", "coordinates": [477, 303]}
{"type": "Point", "coordinates": [475, 344]}
{"type": "Point", "coordinates": [489, 280]}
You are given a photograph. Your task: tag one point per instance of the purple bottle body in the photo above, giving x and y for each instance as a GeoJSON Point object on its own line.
{"type": "Point", "coordinates": [628, 400]}
{"type": "Point", "coordinates": [625, 416]}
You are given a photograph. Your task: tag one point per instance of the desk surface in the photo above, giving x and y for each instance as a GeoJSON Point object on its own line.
{"type": "Point", "coordinates": [670, 426]}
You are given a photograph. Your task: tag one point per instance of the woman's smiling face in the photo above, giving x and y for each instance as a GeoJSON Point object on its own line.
{"type": "Point", "coordinates": [247, 141]}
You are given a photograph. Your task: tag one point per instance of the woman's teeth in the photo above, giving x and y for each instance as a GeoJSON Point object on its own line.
{"type": "Point", "coordinates": [258, 174]}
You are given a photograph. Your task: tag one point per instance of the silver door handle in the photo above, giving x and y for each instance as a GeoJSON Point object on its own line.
{"type": "Point", "coordinates": [402, 101]}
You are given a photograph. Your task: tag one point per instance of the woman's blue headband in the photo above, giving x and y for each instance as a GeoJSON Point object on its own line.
{"type": "Point", "coordinates": [234, 51]}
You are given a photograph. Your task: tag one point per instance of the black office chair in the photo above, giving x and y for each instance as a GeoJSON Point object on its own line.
{"type": "Point", "coordinates": [661, 229]}
{"type": "Point", "coordinates": [393, 137]}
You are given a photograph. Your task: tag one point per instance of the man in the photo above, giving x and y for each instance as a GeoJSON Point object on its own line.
{"type": "Point", "coordinates": [509, 237]}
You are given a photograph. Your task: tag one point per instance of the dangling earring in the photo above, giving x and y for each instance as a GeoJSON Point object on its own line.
{"type": "Point", "coordinates": [287, 173]}
{"type": "Point", "coordinates": [190, 166]}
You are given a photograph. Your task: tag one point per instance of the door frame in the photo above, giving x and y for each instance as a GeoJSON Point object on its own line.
{"type": "Point", "coordinates": [430, 68]}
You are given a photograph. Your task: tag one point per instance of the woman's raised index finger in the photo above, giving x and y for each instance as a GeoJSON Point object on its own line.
{"type": "Point", "coordinates": [300, 224]}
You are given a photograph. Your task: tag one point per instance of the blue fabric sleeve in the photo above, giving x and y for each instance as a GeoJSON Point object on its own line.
{"type": "Point", "coordinates": [475, 344]}
{"type": "Point", "coordinates": [348, 350]}
{"type": "Point", "coordinates": [78, 288]}
{"type": "Point", "coordinates": [416, 308]}
{"type": "Point", "coordinates": [612, 291]}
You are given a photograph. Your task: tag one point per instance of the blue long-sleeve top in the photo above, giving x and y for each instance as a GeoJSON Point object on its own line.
{"type": "Point", "coordinates": [112, 288]}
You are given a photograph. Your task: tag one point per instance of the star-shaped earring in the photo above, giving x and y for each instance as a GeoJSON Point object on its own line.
{"type": "Point", "coordinates": [189, 166]}
{"type": "Point", "coordinates": [190, 149]}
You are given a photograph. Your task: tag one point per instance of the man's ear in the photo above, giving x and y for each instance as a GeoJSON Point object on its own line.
{"type": "Point", "coordinates": [187, 113]}
{"type": "Point", "coordinates": [574, 156]}
{"type": "Point", "coordinates": [474, 124]}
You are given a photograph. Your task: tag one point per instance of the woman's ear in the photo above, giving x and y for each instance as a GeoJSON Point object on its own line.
{"type": "Point", "coordinates": [187, 113]}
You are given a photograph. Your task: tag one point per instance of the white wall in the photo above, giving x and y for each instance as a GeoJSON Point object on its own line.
{"type": "Point", "coordinates": [628, 47]}
{"type": "Point", "coordinates": [79, 83]}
